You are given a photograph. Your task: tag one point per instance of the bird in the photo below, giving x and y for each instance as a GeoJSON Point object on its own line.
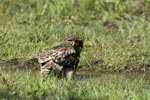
{"type": "Point", "coordinates": [61, 60]}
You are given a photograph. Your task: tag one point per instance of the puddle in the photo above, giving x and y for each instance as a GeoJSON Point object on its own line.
{"type": "Point", "coordinates": [110, 76]}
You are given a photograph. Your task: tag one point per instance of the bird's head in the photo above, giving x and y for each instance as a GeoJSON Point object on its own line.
{"type": "Point", "coordinates": [74, 41]}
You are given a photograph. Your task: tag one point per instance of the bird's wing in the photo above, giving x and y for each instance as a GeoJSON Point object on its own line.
{"type": "Point", "coordinates": [64, 55]}
{"type": "Point", "coordinates": [56, 54]}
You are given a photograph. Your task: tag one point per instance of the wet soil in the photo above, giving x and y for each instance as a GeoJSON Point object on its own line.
{"type": "Point", "coordinates": [21, 64]}
{"type": "Point", "coordinates": [33, 65]}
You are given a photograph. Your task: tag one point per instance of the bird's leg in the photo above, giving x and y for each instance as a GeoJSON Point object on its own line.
{"type": "Point", "coordinates": [69, 73]}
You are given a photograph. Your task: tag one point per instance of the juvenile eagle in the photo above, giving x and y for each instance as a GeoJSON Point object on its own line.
{"type": "Point", "coordinates": [61, 60]}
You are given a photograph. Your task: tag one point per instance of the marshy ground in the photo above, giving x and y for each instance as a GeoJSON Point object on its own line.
{"type": "Point", "coordinates": [115, 62]}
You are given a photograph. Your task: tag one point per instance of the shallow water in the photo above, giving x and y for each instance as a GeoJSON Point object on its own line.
{"type": "Point", "coordinates": [110, 76]}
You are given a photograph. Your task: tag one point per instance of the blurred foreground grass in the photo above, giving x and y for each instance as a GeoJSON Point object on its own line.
{"type": "Point", "coordinates": [89, 86]}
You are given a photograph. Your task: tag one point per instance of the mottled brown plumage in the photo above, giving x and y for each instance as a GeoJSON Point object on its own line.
{"type": "Point", "coordinates": [61, 60]}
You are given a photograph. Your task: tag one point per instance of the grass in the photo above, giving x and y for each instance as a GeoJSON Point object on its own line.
{"type": "Point", "coordinates": [116, 38]}
{"type": "Point", "coordinates": [26, 85]}
{"type": "Point", "coordinates": [116, 31]}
